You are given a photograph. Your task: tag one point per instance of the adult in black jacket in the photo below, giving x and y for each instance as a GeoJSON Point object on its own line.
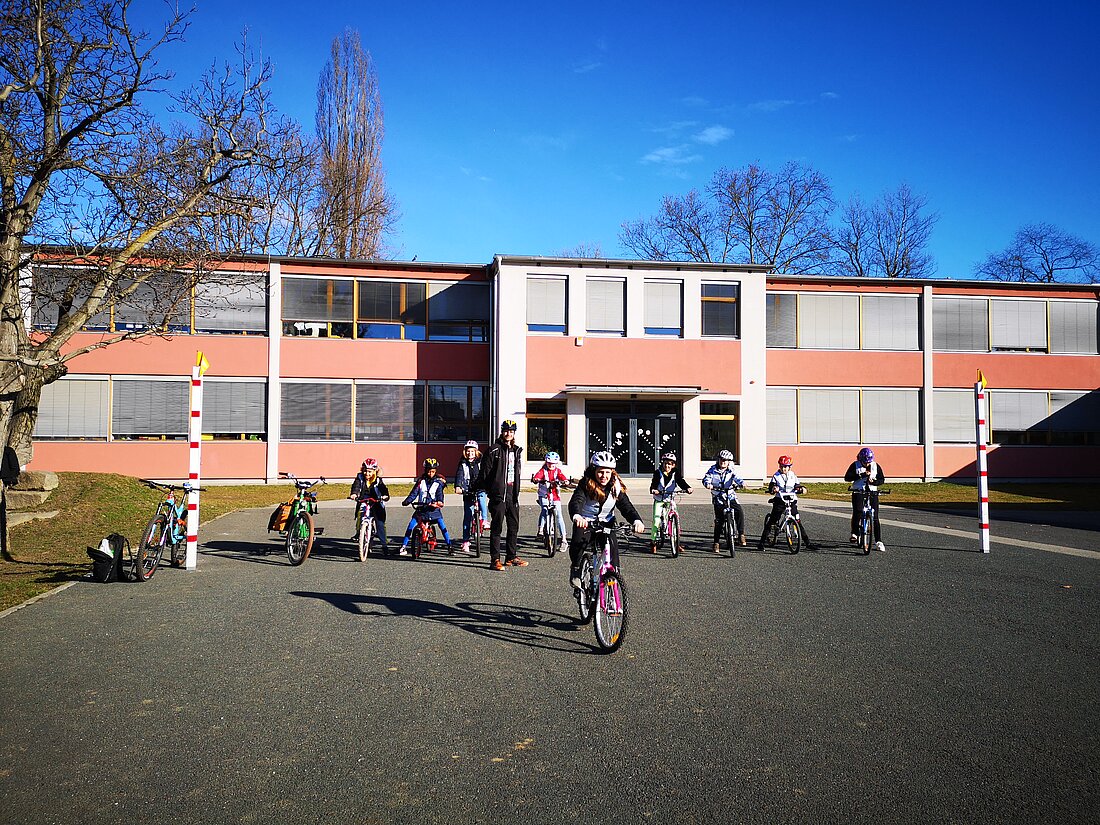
{"type": "Point", "coordinates": [499, 477]}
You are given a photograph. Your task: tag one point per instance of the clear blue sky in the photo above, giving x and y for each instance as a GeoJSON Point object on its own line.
{"type": "Point", "coordinates": [527, 129]}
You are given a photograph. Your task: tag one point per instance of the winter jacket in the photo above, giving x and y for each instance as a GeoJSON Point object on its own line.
{"type": "Point", "coordinates": [493, 477]}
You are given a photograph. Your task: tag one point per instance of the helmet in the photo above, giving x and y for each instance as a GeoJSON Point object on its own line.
{"type": "Point", "coordinates": [552, 457]}
{"type": "Point", "coordinates": [603, 460]}
{"type": "Point", "coordinates": [785, 461]}
{"type": "Point", "coordinates": [508, 425]}
{"type": "Point", "coordinates": [865, 456]}
{"type": "Point", "coordinates": [725, 455]}
{"type": "Point", "coordinates": [469, 444]}
{"type": "Point", "coordinates": [431, 464]}
{"type": "Point", "coordinates": [669, 457]}
{"type": "Point", "coordinates": [369, 464]}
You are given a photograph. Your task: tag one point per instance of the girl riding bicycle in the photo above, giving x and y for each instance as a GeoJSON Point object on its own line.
{"type": "Point", "coordinates": [598, 493]}
{"type": "Point", "coordinates": [866, 477]}
{"type": "Point", "coordinates": [721, 480]}
{"type": "Point", "coordinates": [465, 475]}
{"type": "Point", "coordinates": [784, 481]}
{"type": "Point", "coordinates": [549, 479]}
{"type": "Point", "coordinates": [368, 484]}
{"type": "Point", "coordinates": [666, 479]}
{"type": "Point", "coordinates": [427, 497]}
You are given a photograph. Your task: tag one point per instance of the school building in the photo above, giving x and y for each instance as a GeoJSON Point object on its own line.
{"type": "Point", "coordinates": [317, 364]}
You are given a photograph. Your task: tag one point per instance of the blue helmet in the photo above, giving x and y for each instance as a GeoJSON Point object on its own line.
{"type": "Point", "coordinates": [552, 457]}
{"type": "Point", "coordinates": [866, 456]}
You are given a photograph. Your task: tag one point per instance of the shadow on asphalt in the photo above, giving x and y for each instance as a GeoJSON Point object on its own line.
{"type": "Point", "coordinates": [505, 623]}
{"type": "Point", "coordinates": [1053, 517]}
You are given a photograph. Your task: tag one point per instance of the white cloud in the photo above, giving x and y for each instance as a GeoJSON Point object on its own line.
{"type": "Point", "coordinates": [770, 105]}
{"type": "Point", "coordinates": [713, 135]}
{"type": "Point", "coordinates": [586, 66]}
{"type": "Point", "coordinates": [829, 96]}
{"type": "Point", "coordinates": [672, 156]}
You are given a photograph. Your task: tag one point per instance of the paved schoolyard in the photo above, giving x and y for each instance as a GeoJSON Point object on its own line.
{"type": "Point", "coordinates": [926, 684]}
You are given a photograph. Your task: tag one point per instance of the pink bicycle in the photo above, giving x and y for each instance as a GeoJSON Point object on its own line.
{"type": "Point", "coordinates": [602, 594]}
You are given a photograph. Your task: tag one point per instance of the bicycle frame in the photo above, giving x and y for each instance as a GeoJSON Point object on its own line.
{"type": "Point", "coordinates": [424, 532]}
{"type": "Point", "coordinates": [602, 591]}
{"type": "Point", "coordinates": [167, 528]}
{"type": "Point", "coordinates": [300, 531]}
{"type": "Point", "coordinates": [865, 536]}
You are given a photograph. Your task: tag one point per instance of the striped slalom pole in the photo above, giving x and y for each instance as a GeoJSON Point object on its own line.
{"type": "Point", "coordinates": [194, 437]}
{"type": "Point", "coordinates": [981, 419]}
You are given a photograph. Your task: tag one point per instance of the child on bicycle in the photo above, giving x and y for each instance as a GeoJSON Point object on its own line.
{"type": "Point", "coordinates": [721, 480]}
{"type": "Point", "coordinates": [866, 477]}
{"type": "Point", "coordinates": [598, 493]}
{"type": "Point", "coordinates": [666, 479]}
{"type": "Point", "coordinates": [368, 484]}
{"type": "Point", "coordinates": [549, 479]}
{"type": "Point", "coordinates": [786, 482]}
{"type": "Point", "coordinates": [426, 497]}
{"type": "Point", "coordinates": [465, 476]}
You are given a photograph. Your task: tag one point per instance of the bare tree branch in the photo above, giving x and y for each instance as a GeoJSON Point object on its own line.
{"type": "Point", "coordinates": [1042, 253]}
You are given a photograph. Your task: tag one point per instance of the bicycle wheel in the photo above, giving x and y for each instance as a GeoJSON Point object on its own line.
{"type": "Point", "coordinates": [673, 535]}
{"type": "Point", "coordinates": [610, 611]}
{"type": "Point", "coordinates": [865, 536]}
{"type": "Point", "coordinates": [299, 538]}
{"type": "Point", "coordinates": [546, 531]}
{"type": "Point", "coordinates": [729, 535]}
{"type": "Point", "coordinates": [477, 533]}
{"type": "Point", "coordinates": [150, 549]}
{"type": "Point", "coordinates": [793, 536]}
{"type": "Point", "coordinates": [366, 531]}
{"type": "Point", "coordinates": [584, 592]}
{"type": "Point", "coordinates": [179, 554]}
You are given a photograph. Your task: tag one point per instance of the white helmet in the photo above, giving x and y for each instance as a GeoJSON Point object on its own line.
{"type": "Point", "coordinates": [725, 455]}
{"type": "Point", "coordinates": [603, 459]}
{"type": "Point", "coordinates": [469, 444]}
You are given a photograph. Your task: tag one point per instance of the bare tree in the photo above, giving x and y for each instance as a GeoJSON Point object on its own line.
{"type": "Point", "coordinates": [587, 249]}
{"type": "Point", "coordinates": [751, 215]}
{"type": "Point", "coordinates": [123, 208]}
{"type": "Point", "coordinates": [1042, 253]}
{"type": "Point", "coordinates": [887, 239]}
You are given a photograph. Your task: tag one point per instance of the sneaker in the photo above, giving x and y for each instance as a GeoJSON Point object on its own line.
{"type": "Point", "coordinates": [516, 562]}
{"type": "Point", "coordinates": [853, 539]}
{"type": "Point", "coordinates": [653, 547]}
{"type": "Point", "coordinates": [403, 552]}
{"type": "Point", "coordinates": [575, 578]}
{"type": "Point", "coordinates": [880, 546]}
{"type": "Point", "coordinates": [717, 549]}
{"type": "Point", "coordinates": [744, 541]}
{"type": "Point", "coordinates": [466, 547]}
{"type": "Point", "coordinates": [486, 524]}
{"type": "Point", "coordinates": [496, 565]}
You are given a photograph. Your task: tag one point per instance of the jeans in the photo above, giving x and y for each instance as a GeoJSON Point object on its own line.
{"type": "Point", "coordinates": [468, 501]}
{"type": "Point", "coordinates": [558, 517]}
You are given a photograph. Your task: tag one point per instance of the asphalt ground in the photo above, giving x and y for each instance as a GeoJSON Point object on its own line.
{"type": "Point", "coordinates": [929, 683]}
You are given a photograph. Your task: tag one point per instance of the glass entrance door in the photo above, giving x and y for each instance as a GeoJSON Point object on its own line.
{"type": "Point", "coordinates": [635, 432]}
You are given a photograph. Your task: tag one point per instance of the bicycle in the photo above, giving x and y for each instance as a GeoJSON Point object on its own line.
{"type": "Point", "coordinates": [549, 530]}
{"type": "Point", "coordinates": [865, 537]}
{"type": "Point", "coordinates": [729, 532]}
{"type": "Point", "coordinates": [366, 528]}
{"type": "Point", "coordinates": [669, 528]}
{"type": "Point", "coordinates": [300, 530]}
{"type": "Point", "coordinates": [788, 527]}
{"type": "Point", "coordinates": [424, 535]}
{"type": "Point", "coordinates": [167, 529]}
{"type": "Point", "coordinates": [603, 594]}
{"type": "Point", "coordinates": [477, 528]}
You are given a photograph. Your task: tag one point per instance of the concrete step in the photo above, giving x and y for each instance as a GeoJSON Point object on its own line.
{"type": "Point", "coordinates": [20, 499]}
{"type": "Point", "coordinates": [22, 518]}
{"type": "Point", "coordinates": [37, 480]}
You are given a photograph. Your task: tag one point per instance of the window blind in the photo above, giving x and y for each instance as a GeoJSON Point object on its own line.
{"type": "Point", "coordinates": [953, 416]}
{"type": "Point", "coordinates": [828, 321]}
{"type": "Point", "coordinates": [782, 426]}
{"type": "Point", "coordinates": [546, 302]}
{"type": "Point", "coordinates": [663, 303]}
{"type": "Point", "coordinates": [828, 416]}
{"type": "Point", "coordinates": [1017, 411]}
{"type": "Point", "coordinates": [1019, 325]}
{"type": "Point", "coordinates": [891, 416]}
{"type": "Point", "coordinates": [234, 407]}
{"type": "Point", "coordinates": [890, 322]}
{"type": "Point", "coordinates": [960, 324]}
{"type": "Point", "coordinates": [1075, 411]}
{"type": "Point", "coordinates": [458, 302]}
{"type": "Point", "coordinates": [1073, 326]}
{"type": "Point", "coordinates": [317, 299]}
{"type": "Point", "coordinates": [73, 408]}
{"type": "Point", "coordinates": [605, 305]}
{"type": "Point", "coordinates": [150, 408]}
{"type": "Point", "coordinates": [316, 412]}
{"type": "Point", "coordinates": [231, 306]}
{"type": "Point", "coordinates": [781, 317]}
{"type": "Point", "coordinates": [389, 412]}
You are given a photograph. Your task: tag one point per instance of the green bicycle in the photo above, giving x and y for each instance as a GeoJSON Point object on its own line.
{"type": "Point", "coordinates": [300, 530]}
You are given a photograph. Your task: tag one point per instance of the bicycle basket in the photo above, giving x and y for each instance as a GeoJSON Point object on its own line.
{"type": "Point", "coordinates": [279, 517]}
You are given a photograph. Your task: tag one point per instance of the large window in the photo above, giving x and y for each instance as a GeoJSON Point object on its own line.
{"type": "Point", "coordinates": [1073, 326]}
{"type": "Point", "coordinates": [718, 429]}
{"type": "Point", "coordinates": [890, 322]}
{"type": "Point", "coordinates": [664, 308]}
{"type": "Point", "coordinates": [161, 301]}
{"type": "Point", "coordinates": [546, 304]}
{"type": "Point", "coordinates": [828, 416]}
{"type": "Point", "coordinates": [546, 428]}
{"type": "Point", "coordinates": [458, 312]}
{"type": "Point", "coordinates": [891, 416]}
{"type": "Point", "coordinates": [953, 416]}
{"type": "Point", "coordinates": [1017, 417]}
{"type": "Point", "coordinates": [234, 409]}
{"type": "Point", "coordinates": [782, 316]}
{"type": "Point", "coordinates": [782, 427]}
{"type": "Point", "coordinates": [1019, 326]}
{"type": "Point", "coordinates": [606, 306]}
{"type": "Point", "coordinates": [150, 410]}
{"type": "Point", "coordinates": [1020, 417]}
{"type": "Point", "coordinates": [843, 416]}
{"type": "Point", "coordinates": [73, 409]}
{"type": "Point", "coordinates": [316, 411]}
{"type": "Point", "coordinates": [391, 309]}
{"type": "Point", "coordinates": [318, 307]}
{"type": "Point", "coordinates": [237, 306]}
{"type": "Point", "coordinates": [719, 308]}
{"type": "Point", "coordinates": [389, 412]}
{"type": "Point", "coordinates": [457, 412]}
{"type": "Point", "coordinates": [960, 324]}
{"type": "Point", "coordinates": [1074, 417]}
{"type": "Point", "coordinates": [828, 321]}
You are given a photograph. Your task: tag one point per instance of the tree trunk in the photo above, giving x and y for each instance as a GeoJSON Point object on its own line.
{"type": "Point", "coordinates": [24, 410]}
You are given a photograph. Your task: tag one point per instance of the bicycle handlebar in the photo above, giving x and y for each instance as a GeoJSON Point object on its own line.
{"type": "Point", "coordinates": [185, 486]}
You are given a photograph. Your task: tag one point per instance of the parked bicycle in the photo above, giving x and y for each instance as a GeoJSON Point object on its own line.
{"type": "Point", "coordinates": [729, 532]}
{"type": "Point", "coordinates": [786, 531]}
{"type": "Point", "coordinates": [166, 530]}
{"type": "Point", "coordinates": [424, 537]}
{"type": "Point", "coordinates": [549, 531]}
{"type": "Point", "coordinates": [865, 536]}
{"type": "Point", "coordinates": [365, 530]}
{"type": "Point", "coordinates": [300, 530]}
{"type": "Point", "coordinates": [668, 529]}
{"type": "Point", "coordinates": [602, 593]}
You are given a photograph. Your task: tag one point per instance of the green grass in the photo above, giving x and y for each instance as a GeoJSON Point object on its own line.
{"type": "Point", "coordinates": [941, 494]}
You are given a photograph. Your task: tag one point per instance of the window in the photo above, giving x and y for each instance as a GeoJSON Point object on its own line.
{"type": "Point", "coordinates": [1018, 417]}
{"type": "Point", "coordinates": [318, 307]}
{"type": "Point", "coordinates": [890, 322]}
{"type": "Point", "coordinates": [150, 410]}
{"type": "Point", "coordinates": [960, 324]}
{"type": "Point", "coordinates": [316, 411]}
{"type": "Point", "coordinates": [234, 409]}
{"type": "Point", "coordinates": [458, 312]}
{"type": "Point", "coordinates": [828, 321]}
{"type": "Point", "coordinates": [50, 285]}
{"type": "Point", "coordinates": [718, 428]}
{"type": "Point", "coordinates": [782, 313]}
{"type": "Point", "coordinates": [719, 306]}
{"type": "Point", "coordinates": [828, 416]}
{"type": "Point", "coordinates": [389, 412]}
{"type": "Point", "coordinates": [73, 408]}
{"type": "Point", "coordinates": [237, 306]}
{"type": "Point", "coordinates": [606, 306]}
{"type": "Point", "coordinates": [457, 412]}
{"type": "Point", "coordinates": [1019, 326]}
{"type": "Point", "coordinates": [953, 420]}
{"type": "Point", "coordinates": [664, 308]}
{"type": "Point", "coordinates": [782, 425]}
{"type": "Point", "coordinates": [546, 303]}
{"type": "Point", "coordinates": [1075, 417]}
{"type": "Point", "coordinates": [891, 416]}
{"type": "Point", "coordinates": [163, 299]}
{"type": "Point", "coordinates": [389, 309]}
{"type": "Point", "coordinates": [546, 428]}
{"type": "Point", "coordinates": [1073, 326]}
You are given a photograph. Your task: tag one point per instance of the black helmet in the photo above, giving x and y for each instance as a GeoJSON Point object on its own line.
{"type": "Point", "coordinates": [508, 425]}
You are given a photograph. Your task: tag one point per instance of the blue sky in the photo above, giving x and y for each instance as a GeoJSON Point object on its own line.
{"type": "Point", "coordinates": [529, 129]}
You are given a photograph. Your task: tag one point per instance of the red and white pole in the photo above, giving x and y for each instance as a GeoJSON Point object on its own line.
{"type": "Point", "coordinates": [981, 419]}
{"type": "Point", "coordinates": [194, 436]}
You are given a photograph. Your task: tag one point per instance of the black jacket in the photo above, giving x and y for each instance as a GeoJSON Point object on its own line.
{"type": "Point", "coordinates": [378, 490]}
{"type": "Point", "coordinates": [493, 476]}
{"type": "Point", "coordinates": [623, 503]}
{"type": "Point", "coordinates": [9, 467]}
{"type": "Point", "coordinates": [853, 474]}
{"type": "Point", "coordinates": [677, 476]}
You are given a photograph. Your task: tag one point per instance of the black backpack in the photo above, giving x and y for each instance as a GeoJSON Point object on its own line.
{"type": "Point", "coordinates": [109, 567]}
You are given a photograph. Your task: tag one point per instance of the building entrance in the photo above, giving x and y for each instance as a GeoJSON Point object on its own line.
{"type": "Point", "coordinates": [635, 432]}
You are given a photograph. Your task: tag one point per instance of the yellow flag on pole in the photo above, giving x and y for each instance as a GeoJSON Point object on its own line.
{"type": "Point", "coordinates": [203, 364]}
{"type": "Point", "coordinates": [981, 379]}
